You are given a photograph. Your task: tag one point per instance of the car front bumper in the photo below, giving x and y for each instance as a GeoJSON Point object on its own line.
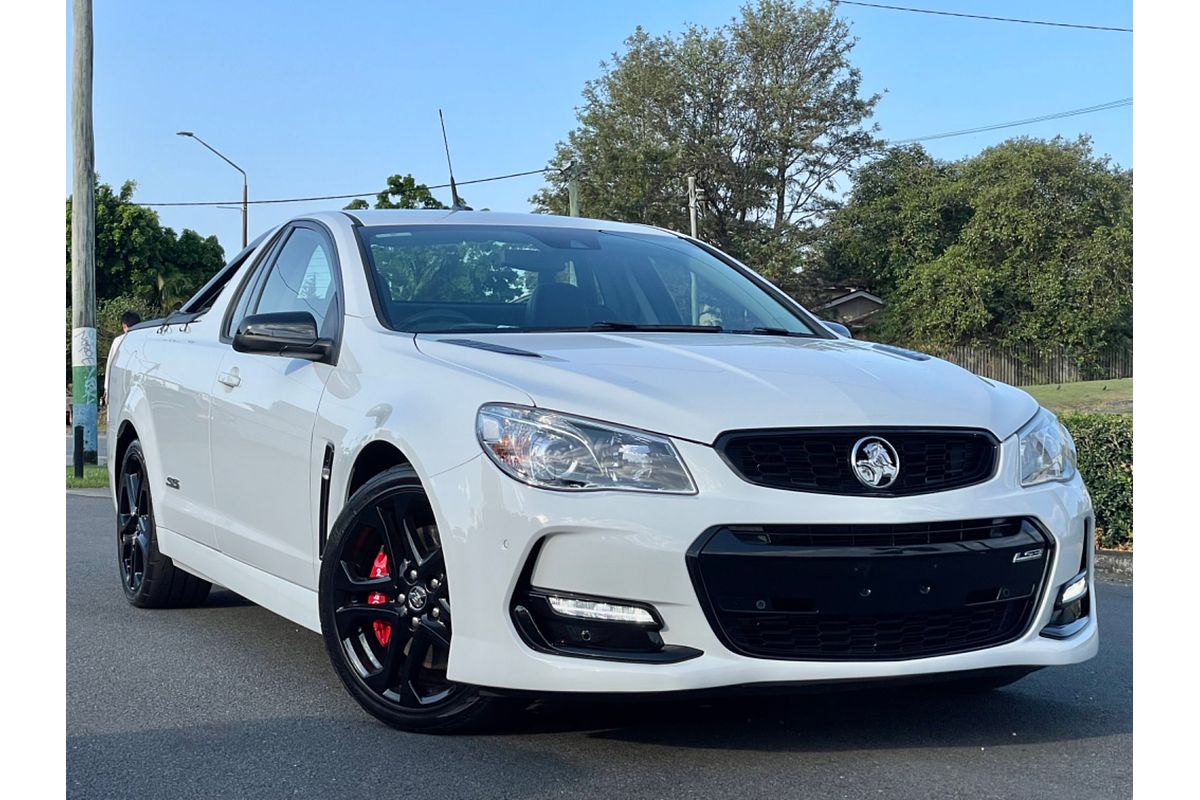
{"type": "Point", "coordinates": [634, 547]}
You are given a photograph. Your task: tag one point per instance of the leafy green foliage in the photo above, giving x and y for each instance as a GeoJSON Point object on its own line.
{"type": "Point", "coordinates": [403, 192]}
{"type": "Point", "coordinates": [1031, 241]}
{"type": "Point", "coordinates": [1105, 444]}
{"type": "Point", "coordinates": [137, 257]}
{"type": "Point", "coordinates": [765, 112]}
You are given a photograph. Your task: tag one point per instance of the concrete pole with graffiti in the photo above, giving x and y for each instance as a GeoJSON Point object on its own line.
{"type": "Point", "coordinates": [83, 232]}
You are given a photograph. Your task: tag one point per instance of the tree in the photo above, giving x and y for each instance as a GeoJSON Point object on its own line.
{"type": "Point", "coordinates": [765, 111]}
{"type": "Point", "coordinates": [402, 191]}
{"type": "Point", "coordinates": [905, 209]}
{"type": "Point", "coordinates": [137, 257]}
{"type": "Point", "coordinates": [1029, 242]}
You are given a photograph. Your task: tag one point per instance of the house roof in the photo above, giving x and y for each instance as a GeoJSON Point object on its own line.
{"type": "Point", "coordinates": [854, 295]}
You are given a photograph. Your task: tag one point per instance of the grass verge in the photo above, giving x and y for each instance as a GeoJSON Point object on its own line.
{"type": "Point", "coordinates": [95, 476]}
{"type": "Point", "coordinates": [1086, 397]}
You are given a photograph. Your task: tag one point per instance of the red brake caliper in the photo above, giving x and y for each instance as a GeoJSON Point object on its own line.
{"type": "Point", "coordinates": [379, 569]}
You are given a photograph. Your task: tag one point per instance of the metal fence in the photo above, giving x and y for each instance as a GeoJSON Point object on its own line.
{"type": "Point", "coordinates": [1032, 366]}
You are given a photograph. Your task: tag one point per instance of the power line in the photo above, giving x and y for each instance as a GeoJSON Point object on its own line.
{"type": "Point", "coordinates": [980, 16]}
{"type": "Point", "coordinates": [1112, 104]}
{"type": "Point", "coordinates": [1128, 101]}
{"type": "Point", "coordinates": [347, 196]}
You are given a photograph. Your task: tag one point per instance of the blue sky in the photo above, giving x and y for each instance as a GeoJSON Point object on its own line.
{"type": "Point", "coordinates": [315, 98]}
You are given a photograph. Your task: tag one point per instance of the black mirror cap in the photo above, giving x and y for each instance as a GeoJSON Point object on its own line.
{"type": "Point", "coordinates": [838, 328]}
{"type": "Point", "coordinates": [292, 334]}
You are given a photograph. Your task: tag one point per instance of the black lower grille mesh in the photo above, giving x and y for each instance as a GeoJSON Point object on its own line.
{"type": "Point", "coordinates": [818, 460]}
{"type": "Point", "coordinates": [875, 637]}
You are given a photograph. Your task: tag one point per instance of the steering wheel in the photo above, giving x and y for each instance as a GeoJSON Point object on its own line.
{"type": "Point", "coordinates": [425, 317]}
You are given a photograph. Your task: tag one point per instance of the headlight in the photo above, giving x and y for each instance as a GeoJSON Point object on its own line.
{"type": "Point", "coordinates": [1047, 451]}
{"type": "Point", "coordinates": [556, 451]}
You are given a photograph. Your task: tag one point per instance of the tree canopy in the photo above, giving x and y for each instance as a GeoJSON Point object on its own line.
{"type": "Point", "coordinates": [137, 257]}
{"type": "Point", "coordinates": [766, 112]}
{"type": "Point", "coordinates": [402, 191]}
{"type": "Point", "coordinates": [1031, 241]}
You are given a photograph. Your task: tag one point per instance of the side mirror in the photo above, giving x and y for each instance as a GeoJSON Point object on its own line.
{"type": "Point", "coordinates": [292, 334]}
{"type": "Point", "coordinates": [838, 328]}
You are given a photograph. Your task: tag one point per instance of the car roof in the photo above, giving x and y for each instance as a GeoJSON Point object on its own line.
{"type": "Point", "coordinates": [378, 217]}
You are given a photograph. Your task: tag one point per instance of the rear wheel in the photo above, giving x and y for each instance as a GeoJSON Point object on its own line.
{"type": "Point", "coordinates": [386, 611]}
{"type": "Point", "coordinates": [149, 578]}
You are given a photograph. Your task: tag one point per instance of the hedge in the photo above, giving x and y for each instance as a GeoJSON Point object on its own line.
{"type": "Point", "coordinates": [1105, 444]}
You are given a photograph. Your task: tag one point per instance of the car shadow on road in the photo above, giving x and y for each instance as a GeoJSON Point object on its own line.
{"type": "Point", "coordinates": [223, 598]}
{"type": "Point", "coordinates": [1040, 709]}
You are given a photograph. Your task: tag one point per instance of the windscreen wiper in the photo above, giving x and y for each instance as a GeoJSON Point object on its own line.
{"type": "Point", "coordinates": [765, 331]}
{"type": "Point", "coordinates": [609, 325]}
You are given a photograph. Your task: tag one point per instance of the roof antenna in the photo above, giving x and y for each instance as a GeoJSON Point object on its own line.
{"type": "Point", "coordinates": [456, 202]}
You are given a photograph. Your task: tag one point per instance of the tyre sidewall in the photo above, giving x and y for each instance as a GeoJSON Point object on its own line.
{"type": "Point", "coordinates": [140, 597]}
{"type": "Point", "coordinates": [462, 711]}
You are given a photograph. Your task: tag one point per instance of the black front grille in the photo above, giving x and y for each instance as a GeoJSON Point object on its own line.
{"type": "Point", "coordinates": [870, 637]}
{"type": "Point", "coordinates": [818, 460]}
{"type": "Point", "coordinates": [882, 535]}
{"type": "Point", "coordinates": [870, 592]}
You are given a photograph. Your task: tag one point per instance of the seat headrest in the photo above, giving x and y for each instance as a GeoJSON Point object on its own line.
{"type": "Point", "coordinates": [557, 305]}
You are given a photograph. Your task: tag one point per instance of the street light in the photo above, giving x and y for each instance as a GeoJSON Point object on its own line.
{"type": "Point", "coordinates": [245, 189]}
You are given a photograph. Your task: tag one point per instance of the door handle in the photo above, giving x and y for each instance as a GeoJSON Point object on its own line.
{"type": "Point", "coordinates": [229, 379]}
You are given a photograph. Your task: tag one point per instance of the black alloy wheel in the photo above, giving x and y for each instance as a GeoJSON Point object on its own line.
{"type": "Point", "coordinates": [149, 578]}
{"type": "Point", "coordinates": [134, 522]}
{"type": "Point", "coordinates": [386, 609]}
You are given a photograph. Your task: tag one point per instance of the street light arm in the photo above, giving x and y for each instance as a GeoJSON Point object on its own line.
{"type": "Point", "coordinates": [216, 152]}
{"type": "Point", "coordinates": [245, 183]}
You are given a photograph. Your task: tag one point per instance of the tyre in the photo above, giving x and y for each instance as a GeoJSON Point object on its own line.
{"type": "Point", "coordinates": [385, 611]}
{"type": "Point", "coordinates": [149, 578]}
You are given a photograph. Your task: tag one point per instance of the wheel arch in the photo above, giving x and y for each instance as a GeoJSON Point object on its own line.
{"type": "Point", "coordinates": [373, 458]}
{"type": "Point", "coordinates": [126, 433]}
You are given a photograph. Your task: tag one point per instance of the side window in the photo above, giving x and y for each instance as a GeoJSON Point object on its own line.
{"type": "Point", "coordinates": [243, 300]}
{"type": "Point", "coordinates": [301, 279]}
{"type": "Point", "coordinates": [206, 295]}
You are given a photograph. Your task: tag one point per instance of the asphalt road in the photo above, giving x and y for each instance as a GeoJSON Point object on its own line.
{"type": "Point", "coordinates": [230, 700]}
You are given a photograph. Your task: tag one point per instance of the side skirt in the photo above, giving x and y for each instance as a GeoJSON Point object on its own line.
{"type": "Point", "coordinates": [288, 600]}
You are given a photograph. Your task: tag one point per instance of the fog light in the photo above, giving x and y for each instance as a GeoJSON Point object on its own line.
{"type": "Point", "coordinates": [593, 609]}
{"type": "Point", "coordinates": [1074, 590]}
{"type": "Point", "coordinates": [1072, 609]}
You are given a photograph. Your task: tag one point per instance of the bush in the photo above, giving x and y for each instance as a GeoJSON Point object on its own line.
{"type": "Point", "coordinates": [1105, 443]}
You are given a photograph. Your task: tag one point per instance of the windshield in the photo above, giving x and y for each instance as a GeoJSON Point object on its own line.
{"type": "Point", "coordinates": [448, 278]}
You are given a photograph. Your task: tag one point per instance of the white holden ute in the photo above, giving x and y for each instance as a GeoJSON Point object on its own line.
{"type": "Point", "coordinates": [495, 456]}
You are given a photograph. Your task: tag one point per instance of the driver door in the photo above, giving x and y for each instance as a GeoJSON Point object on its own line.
{"type": "Point", "coordinates": [264, 411]}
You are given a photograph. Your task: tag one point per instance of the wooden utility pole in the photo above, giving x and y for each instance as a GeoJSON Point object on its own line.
{"type": "Point", "coordinates": [573, 190]}
{"type": "Point", "coordinates": [83, 232]}
{"type": "Point", "coordinates": [692, 202]}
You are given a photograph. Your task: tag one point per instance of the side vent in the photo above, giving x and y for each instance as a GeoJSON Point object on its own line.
{"type": "Point", "coordinates": [326, 476]}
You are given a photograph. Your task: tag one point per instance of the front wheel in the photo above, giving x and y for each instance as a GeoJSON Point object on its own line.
{"type": "Point", "coordinates": [385, 610]}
